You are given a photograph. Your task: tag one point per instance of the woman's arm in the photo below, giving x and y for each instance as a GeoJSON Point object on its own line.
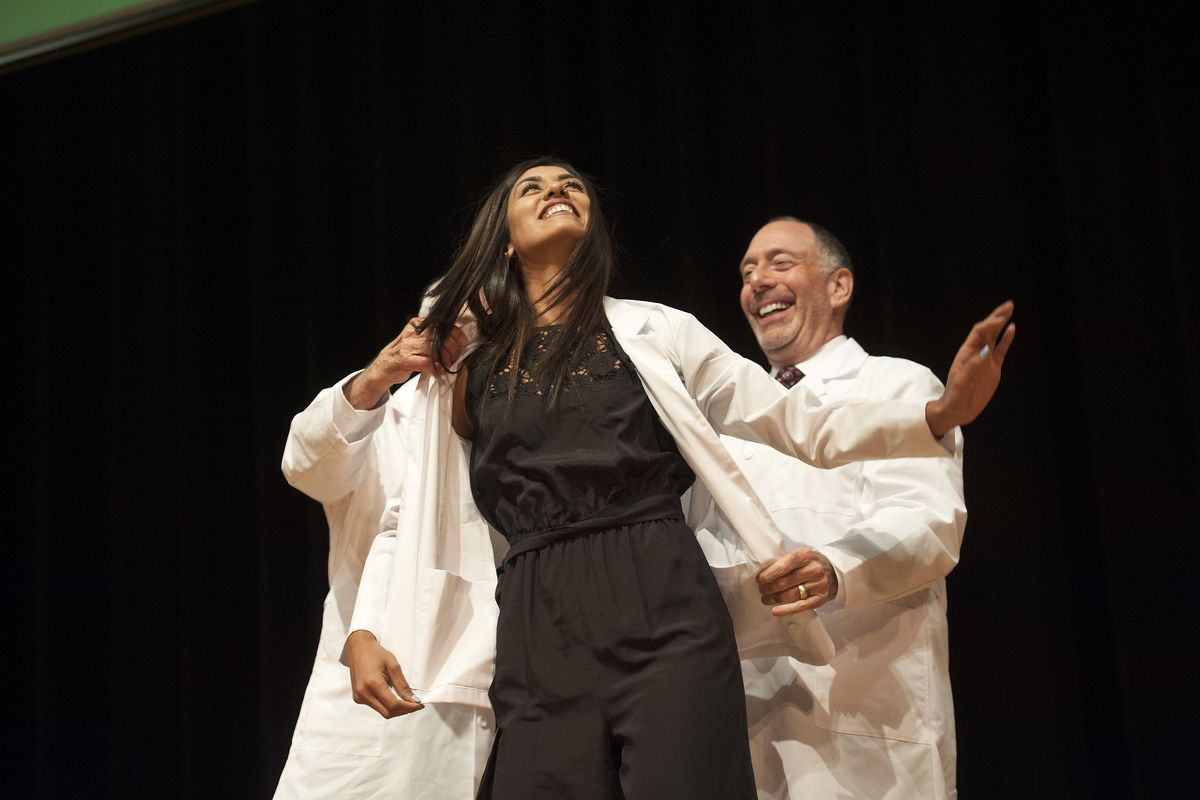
{"type": "Point", "coordinates": [740, 399]}
{"type": "Point", "coordinates": [974, 373]}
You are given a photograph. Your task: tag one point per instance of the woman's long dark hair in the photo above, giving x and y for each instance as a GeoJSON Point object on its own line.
{"type": "Point", "coordinates": [482, 278]}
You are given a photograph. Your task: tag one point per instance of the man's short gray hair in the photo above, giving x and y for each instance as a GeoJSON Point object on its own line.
{"type": "Point", "coordinates": [832, 253]}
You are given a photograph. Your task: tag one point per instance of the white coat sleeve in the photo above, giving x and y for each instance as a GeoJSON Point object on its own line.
{"type": "Point", "coordinates": [328, 444]}
{"type": "Point", "coordinates": [740, 399]}
{"type": "Point", "coordinates": [370, 605]}
{"type": "Point", "coordinates": [912, 514]}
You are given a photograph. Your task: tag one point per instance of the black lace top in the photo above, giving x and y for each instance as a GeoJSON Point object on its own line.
{"type": "Point", "coordinates": [594, 457]}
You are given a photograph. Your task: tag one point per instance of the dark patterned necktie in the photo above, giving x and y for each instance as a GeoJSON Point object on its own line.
{"type": "Point", "coordinates": [789, 376]}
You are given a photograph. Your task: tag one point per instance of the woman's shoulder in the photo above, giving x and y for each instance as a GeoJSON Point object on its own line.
{"type": "Point", "coordinates": [643, 309]}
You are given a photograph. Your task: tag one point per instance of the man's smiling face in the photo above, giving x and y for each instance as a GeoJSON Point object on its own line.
{"type": "Point", "coordinates": [786, 292]}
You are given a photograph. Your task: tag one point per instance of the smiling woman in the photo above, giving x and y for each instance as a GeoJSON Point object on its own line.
{"type": "Point", "coordinates": [606, 646]}
{"type": "Point", "coordinates": [527, 262]}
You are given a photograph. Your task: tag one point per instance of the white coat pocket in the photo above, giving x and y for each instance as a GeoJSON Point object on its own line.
{"type": "Point", "coordinates": [455, 638]}
{"type": "Point", "coordinates": [330, 721]}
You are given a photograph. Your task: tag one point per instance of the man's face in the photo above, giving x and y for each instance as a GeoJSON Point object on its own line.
{"type": "Point", "coordinates": [786, 296]}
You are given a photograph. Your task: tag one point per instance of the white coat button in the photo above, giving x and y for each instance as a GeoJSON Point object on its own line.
{"type": "Point", "coordinates": [483, 723]}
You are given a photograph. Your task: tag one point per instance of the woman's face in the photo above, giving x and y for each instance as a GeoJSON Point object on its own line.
{"type": "Point", "coordinates": [547, 213]}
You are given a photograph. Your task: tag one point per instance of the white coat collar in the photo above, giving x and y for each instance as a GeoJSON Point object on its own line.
{"type": "Point", "coordinates": [836, 358]}
{"type": "Point", "coordinates": [631, 317]}
{"type": "Point", "coordinates": [840, 357]}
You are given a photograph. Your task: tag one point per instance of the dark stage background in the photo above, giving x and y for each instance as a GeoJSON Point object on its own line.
{"type": "Point", "coordinates": [205, 225]}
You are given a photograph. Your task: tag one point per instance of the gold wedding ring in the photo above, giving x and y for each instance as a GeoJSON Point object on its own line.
{"type": "Point", "coordinates": [803, 592]}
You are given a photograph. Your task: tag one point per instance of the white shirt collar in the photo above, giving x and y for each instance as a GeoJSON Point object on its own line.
{"type": "Point", "coordinates": [829, 360]}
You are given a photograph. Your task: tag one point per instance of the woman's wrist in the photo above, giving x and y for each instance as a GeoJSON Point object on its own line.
{"type": "Point", "coordinates": [935, 418]}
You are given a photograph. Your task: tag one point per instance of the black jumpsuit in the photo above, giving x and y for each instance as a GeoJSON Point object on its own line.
{"type": "Point", "coordinates": [617, 673]}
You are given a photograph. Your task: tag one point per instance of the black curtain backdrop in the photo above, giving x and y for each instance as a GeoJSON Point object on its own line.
{"type": "Point", "coordinates": [205, 225]}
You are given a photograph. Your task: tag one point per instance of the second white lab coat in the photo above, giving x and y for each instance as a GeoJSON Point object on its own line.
{"type": "Point", "coordinates": [341, 749]}
{"type": "Point", "coordinates": [878, 721]}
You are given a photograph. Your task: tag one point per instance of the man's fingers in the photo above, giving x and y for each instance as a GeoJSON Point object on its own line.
{"type": "Point", "coordinates": [787, 609]}
{"type": "Point", "coordinates": [791, 595]}
{"type": "Point", "coordinates": [417, 362]}
{"type": "Point", "coordinates": [793, 579]}
{"type": "Point", "coordinates": [810, 573]}
{"type": "Point", "coordinates": [788, 562]}
{"type": "Point", "coordinates": [405, 332]}
{"type": "Point", "coordinates": [816, 587]}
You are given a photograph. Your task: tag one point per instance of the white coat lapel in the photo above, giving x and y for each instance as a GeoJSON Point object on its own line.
{"type": "Point", "coordinates": [441, 608]}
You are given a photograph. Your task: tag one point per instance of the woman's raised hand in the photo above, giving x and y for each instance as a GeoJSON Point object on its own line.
{"type": "Point", "coordinates": [974, 374]}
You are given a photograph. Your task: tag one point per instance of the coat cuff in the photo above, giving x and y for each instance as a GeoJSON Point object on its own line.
{"type": "Point", "coordinates": [353, 424]}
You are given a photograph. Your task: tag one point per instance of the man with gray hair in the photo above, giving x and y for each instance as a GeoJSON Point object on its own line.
{"type": "Point", "coordinates": [868, 547]}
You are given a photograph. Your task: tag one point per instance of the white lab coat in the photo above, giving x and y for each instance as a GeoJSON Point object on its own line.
{"type": "Point", "coordinates": [352, 462]}
{"type": "Point", "coordinates": [878, 721]}
{"type": "Point", "coordinates": [427, 588]}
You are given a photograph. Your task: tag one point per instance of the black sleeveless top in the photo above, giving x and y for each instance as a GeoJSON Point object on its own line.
{"type": "Point", "coordinates": [599, 459]}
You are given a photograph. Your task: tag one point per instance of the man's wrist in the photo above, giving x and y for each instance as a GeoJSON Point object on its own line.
{"type": "Point", "coordinates": [364, 393]}
{"type": "Point", "coordinates": [831, 577]}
